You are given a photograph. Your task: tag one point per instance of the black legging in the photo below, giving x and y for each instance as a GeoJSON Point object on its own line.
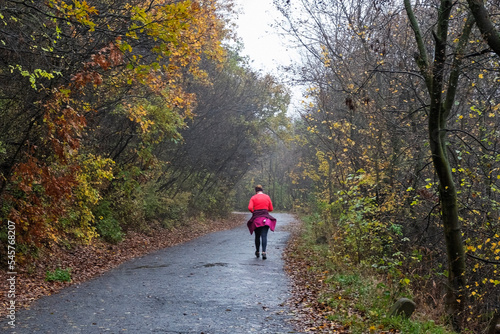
{"type": "Point", "coordinates": [261, 232]}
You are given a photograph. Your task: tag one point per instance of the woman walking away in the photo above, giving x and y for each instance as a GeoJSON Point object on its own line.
{"type": "Point", "coordinates": [260, 205]}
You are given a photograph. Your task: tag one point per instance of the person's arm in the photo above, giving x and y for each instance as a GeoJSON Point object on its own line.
{"type": "Point", "coordinates": [250, 205]}
{"type": "Point", "coordinates": [270, 207]}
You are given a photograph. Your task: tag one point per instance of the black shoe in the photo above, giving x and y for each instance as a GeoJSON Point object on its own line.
{"type": "Point", "coordinates": [257, 253]}
{"type": "Point", "coordinates": [264, 255]}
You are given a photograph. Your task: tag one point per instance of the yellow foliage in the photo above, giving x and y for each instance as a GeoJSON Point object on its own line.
{"type": "Point", "coordinates": [95, 170]}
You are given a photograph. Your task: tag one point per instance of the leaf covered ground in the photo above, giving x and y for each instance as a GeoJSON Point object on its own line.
{"type": "Point", "coordinates": [309, 313]}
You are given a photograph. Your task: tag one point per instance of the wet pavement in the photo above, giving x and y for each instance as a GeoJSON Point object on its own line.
{"type": "Point", "coordinates": [213, 284]}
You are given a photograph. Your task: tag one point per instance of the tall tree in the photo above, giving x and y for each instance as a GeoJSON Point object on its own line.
{"type": "Point", "coordinates": [442, 99]}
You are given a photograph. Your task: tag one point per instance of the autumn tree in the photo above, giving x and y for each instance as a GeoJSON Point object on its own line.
{"type": "Point", "coordinates": [485, 24]}
{"type": "Point", "coordinates": [68, 70]}
{"type": "Point", "coordinates": [366, 107]}
{"type": "Point", "coordinates": [352, 108]}
{"type": "Point", "coordinates": [234, 119]}
{"type": "Point", "coordinates": [439, 111]}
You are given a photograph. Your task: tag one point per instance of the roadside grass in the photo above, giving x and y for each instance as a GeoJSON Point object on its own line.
{"type": "Point", "coordinates": [60, 275]}
{"type": "Point", "coordinates": [357, 296]}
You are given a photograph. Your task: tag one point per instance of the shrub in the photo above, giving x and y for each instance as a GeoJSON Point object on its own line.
{"type": "Point", "coordinates": [106, 225]}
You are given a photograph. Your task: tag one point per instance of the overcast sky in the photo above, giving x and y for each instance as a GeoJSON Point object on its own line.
{"type": "Point", "coordinates": [257, 29]}
{"type": "Point", "coordinates": [256, 26]}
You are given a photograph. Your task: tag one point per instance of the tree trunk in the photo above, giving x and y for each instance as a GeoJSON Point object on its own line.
{"type": "Point", "coordinates": [447, 191]}
{"type": "Point", "coordinates": [440, 107]}
{"type": "Point", "coordinates": [451, 225]}
{"type": "Point", "coordinates": [485, 25]}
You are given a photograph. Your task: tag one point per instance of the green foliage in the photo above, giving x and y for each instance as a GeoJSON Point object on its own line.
{"type": "Point", "coordinates": [107, 226]}
{"type": "Point", "coordinates": [59, 275]}
{"type": "Point", "coordinates": [109, 229]}
{"type": "Point", "coordinates": [356, 295]}
{"type": "Point", "coordinates": [3, 148]}
{"type": "Point", "coordinates": [352, 223]}
{"type": "Point", "coordinates": [33, 76]}
{"type": "Point", "coordinates": [136, 206]}
{"type": "Point", "coordinates": [169, 211]}
{"type": "Point", "coordinates": [216, 203]}
{"type": "Point", "coordinates": [408, 326]}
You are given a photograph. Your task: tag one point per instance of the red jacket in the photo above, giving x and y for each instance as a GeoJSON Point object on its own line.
{"type": "Point", "coordinates": [259, 202]}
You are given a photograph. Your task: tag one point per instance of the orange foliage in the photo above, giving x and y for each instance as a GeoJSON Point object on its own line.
{"type": "Point", "coordinates": [174, 36]}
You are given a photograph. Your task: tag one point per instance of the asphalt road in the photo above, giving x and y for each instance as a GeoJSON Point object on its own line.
{"type": "Point", "coordinates": [213, 284]}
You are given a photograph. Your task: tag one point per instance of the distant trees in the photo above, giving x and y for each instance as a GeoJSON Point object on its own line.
{"type": "Point", "coordinates": [388, 192]}
{"type": "Point", "coordinates": [272, 168]}
{"type": "Point", "coordinates": [233, 118]}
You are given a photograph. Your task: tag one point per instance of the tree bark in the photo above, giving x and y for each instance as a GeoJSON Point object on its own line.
{"type": "Point", "coordinates": [485, 25]}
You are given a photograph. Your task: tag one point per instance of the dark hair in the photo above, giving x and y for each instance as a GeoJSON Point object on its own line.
{"type": "Point", "coordinates": [258, 188]}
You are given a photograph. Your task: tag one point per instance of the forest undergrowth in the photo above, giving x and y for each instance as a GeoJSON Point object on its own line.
{"type": "Point", "coordinates": [333, 296]}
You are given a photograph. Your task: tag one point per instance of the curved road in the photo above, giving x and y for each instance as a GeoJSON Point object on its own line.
{"type": "Point", "coordinates": [213, 284]}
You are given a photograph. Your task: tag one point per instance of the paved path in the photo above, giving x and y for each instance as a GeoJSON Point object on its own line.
{"type": "Point", "coordinates": [213, 284]}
